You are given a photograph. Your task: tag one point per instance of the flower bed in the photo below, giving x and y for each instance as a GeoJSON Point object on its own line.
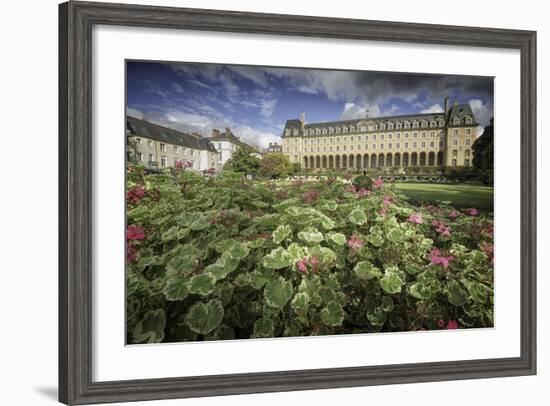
{"type": "Point", "coordinates": [228, 258]}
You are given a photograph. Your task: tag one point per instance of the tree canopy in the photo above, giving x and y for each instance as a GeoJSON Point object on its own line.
{"type": "Point", "coordinates": [243, 161]}
{"type": "Point", "coordinates": [275, 165]}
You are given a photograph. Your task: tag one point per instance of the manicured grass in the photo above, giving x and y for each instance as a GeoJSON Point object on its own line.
{"type": "Point", "coordinates": [461, 195]}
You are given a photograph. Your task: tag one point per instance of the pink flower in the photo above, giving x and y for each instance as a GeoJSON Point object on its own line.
{"type": "Point", "coordinates": [452, 325]}
{"type": "Point", "coordinates": [437, 258]}
{"type": "Point", "coordinates": [351, 188]}
{"type": "Point", "coordinates": [440, 323]}
{"type": "Point", "coordinates": [383, 211]}
{"type": "Point", "coordinates": [310, 196]}
{"type": "Point", "coordinates": [135, 233]}
{"type": "Point", "coordinates": [183, 164]}
{"type": "Point", "coordinates": [363, 192]}
{"type": "Point", "coordinates": [378, 182]}
{"type": "Point", "coordinates": [472, 212]}
{"type": "Point", "coordinates": [387, 200]}
{"type": "Point", "coordinates": [416, 218]}
{"type": "Point", "coordinates": [301, 265]}
{"type": "Point", "coordinates": [131, 254]}
{"type": "Point", "coordinates": [454, 214]}
{"type": "Point", "coordinates": [314, 262]}
{"type": "Point", "coordinates": [135, 194]}
{"type": "Point", "coordinates": [443, 229]}
{"type": "Point", "coordinates": [355, 243]}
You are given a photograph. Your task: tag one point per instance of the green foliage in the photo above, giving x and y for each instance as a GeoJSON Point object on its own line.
{"type": "Point", "coordinates": [362, 182]}
{"type": "Point", "coordinates": [243, 161]}
{"type": "Point", "coordinates": [275, 165]}
{"type": "Point", "coordinates": [228, 258]}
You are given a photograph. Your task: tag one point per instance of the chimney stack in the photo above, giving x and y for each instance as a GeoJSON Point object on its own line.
{"type": "Point", "coordinates": [447, 100]}
{"type": "Point", "coordinates": [215, 132]}
{"type": "Point", "coordinates": [303, 118]}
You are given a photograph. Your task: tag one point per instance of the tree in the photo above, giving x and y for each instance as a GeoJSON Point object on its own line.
{"type": "Point", "coordinates": [483, 154]}
{"type": "Point", "coordinates": [296, 168]}
{"type": "Point", "coordinates": [275, 165]}
{"type": "Point", "coordinates": [243, 161]}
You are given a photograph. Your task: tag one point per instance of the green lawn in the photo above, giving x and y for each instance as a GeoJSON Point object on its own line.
{"type": "Point", "coordinates": [461, 195]}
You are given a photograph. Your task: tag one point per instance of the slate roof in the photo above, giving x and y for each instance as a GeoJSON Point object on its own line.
{"type": "Point", "coordinates": [228, 135]}
{"type": "Point", "coordinates": [143, 128]}
{"type": "Point", "coordinates": [460, 110]}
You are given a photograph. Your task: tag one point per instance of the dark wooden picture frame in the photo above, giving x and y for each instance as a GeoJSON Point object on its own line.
{"type": "Point", "coordinates": [76, 20]}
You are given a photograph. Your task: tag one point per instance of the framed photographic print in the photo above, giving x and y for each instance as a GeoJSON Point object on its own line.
{"type": "Point", "coordinates": [299, 214]}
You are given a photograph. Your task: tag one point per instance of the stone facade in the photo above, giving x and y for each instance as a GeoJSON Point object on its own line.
{"type": "Point", "coordinates": [157, 147]}
{"type": "Point", "coordinates": [427, 140]}
{"type": "Point", "coordinates": [226, 143]}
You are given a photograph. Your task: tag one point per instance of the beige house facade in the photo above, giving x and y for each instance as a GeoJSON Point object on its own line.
{"type": "Point", "coordinates": [398, 142]}
{"type": "Point", "coordinates": [158, 147]}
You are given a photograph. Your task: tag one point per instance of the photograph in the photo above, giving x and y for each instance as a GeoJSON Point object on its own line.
{"type": "Point", "coordinates": [270, 202]}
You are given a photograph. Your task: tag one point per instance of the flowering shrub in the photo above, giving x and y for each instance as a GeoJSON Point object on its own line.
{"type": "Point", "coordinates": [228, 258]}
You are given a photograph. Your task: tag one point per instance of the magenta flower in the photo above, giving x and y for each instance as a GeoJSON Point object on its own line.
{"type": "Point", "coordinates": [355, 243]}
{"type": "Point", "coordinates": [387, 200]}
{"type": "Point", "coordinates": [314, 262]}
{"type": "Point", "coordinates": [378, 182]}
{"type": "Point", "coordinates": [363, 192]}
{"type": "Point", "coordinates": [135, 233]}
{"type": "Point", "coordinates": [472, 212]}
{"type": "Point", "coordinates": [351, 188]}
{"type": "Point", "coordinates": [441, 323]}
{"type": "Point", "coordinates": [452, 325]}
{"type": "Point", "coordinates": [183, 164]}
{"type": "Point", "coordinates": [416, 218]}
{"type": "Point", "coordinates": [437, 258]}
{"type": "Point", "coordinates": [301, 265]}
{"type": "Point", "coordinates": [310, 196]}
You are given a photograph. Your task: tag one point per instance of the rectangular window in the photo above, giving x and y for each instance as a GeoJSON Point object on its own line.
{"type": "Point", "coordinates": [455, 152]}
{"type": "Point", "coordinates": [139, 157]}
{"type": "Point", "coordinates": [423, 144]}
{"type": "Point", "coordinates": [406, 145]}
{"type": "Point", "coordinates": [468, 131]}
{"type": "Point", "coordinates": [176, 150]}
{"type": "Point", "coordinates": [163, 161]}
{"type": "Point", "coordinates": [431, 144]}
{"type": "Point", "coordinates": [454, 162]}
{"type": "Point", "coordinates": [466, 162]}
{"type": "Point", "coordinates": [138, 140]}
{"type": "Point", "coordinates": [414, 144]}
{"type": "Point", "coordinates": [163, 147]}
{"type": "Point", "coordinates": [150, 143]}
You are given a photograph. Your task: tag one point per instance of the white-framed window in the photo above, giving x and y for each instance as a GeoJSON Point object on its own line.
{"type": "Point", "coordinates": [176, 149]}
{"type": "Point", "coordinates": [468, 142]}
{"type": "Point", "coordinates": [295, 132]}
{"type": "Point", "coordinates": [163, 161]}
{"type": "Point", "coordinates": [407, 125]}
{"type": "Point", "coordinates": [351, 147]}
{"type": "Point", "coordinates": [345, 129]}
{"type": "Point", "coordinates": [162, 147]}
{"type": "Point", "coordinates": [351, 138]}
{"type": "Point", "coordinates": [389, 145]}
{"type": "Point", "coordinates": [374, 137]}
{"type": "Point", "coordinates": [415, 135]}
{"type": "Point", "coordinates": [455, 132]}
{"type": "Point", "coordinates": [337, 139]}
{"type": "Point", "coordinates": [468, 120]}
{"type": "Point", "coordinates": [406, 135]}
{"type": "Point", "coordinates": [390, 136]}
{"type": "Point", "coordinates": [432, 134]}
{"type": "Point", "coordinates": [441, 123]}
{"type": "Point", "coordinates": [381, 146]}
{"type": "Point", "coordinates": [398, 136]}
{"type": "Point", "coordinates": [397, 145]}
{"type": "Point", "coordinates": [381, 136]}
{"type": "Point", "coordinates": [150, 143]}
{"type": "Point", "coordinates": [337, 148]}
{"type": "Point", "coordinates": [406, 145]}
{"type": "Point", "coordinates": [344, 148]}
{"type": "Point", "coordinates": [192, 152]}
{"type": "Point", "coordinates": [455, 142]}
{"type": "Point", "coordinates": [455, 152]}
{"type": "Point", "coordinates": [359, 147]}
{"type": "Point", "coordinates": [373, 146]}
{"type": "Point", "coordinates": [423, 134]}
{"type": "Point", "coordinates": [456, 120]}
{"type": "Point", "coordinates": [338, 130]}
{"type": "Point", "coordinates": [138, 140]}
{"type": "Point", "coordinates": [467, 152]}
{"type": "Point", "coordinates": [358, 138]}
{"type": "Point", "coordinates": [151, 158]}
{"type": "Point", "coordinates": [139, 157]}
{"type": "Point", "coordinates": [423, 144]}
{"type": "Point", "coordinates": [352, 129]}
{"type": "Point", "coordinates": [468, 131]}
{"type": "Point", "coordinates": [414, 144]}
{"type": "Point", "coordinates": [330, 148]}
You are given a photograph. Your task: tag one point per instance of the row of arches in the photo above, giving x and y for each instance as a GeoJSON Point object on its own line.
{"type": "Point", "coordinates": [359, 161]}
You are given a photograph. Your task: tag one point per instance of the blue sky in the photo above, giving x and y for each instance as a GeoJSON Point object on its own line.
{"type": "Point", "coordinates": [255, 101]}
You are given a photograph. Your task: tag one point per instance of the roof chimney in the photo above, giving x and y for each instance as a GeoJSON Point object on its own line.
{"type": "Point", "coordinates": [303, 118]}
{"type": "Point", "coordinates": [215, 132]}
{"type": "Point", "coordinates": [447, 102]}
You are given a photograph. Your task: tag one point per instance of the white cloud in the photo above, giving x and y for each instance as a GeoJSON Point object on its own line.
{"type": "Point", "coordinates": [353, 111]}
{"type": "Point", "coordinates": [134, 112]}
{"type": "Point", "coordinates": [483, 113]}
{"type": "Point", "coordinates": [267, 107]}
{"type": "Point", "coordinates": [256, 137]}
{"type": "Point", "coordinates": [436, 108]}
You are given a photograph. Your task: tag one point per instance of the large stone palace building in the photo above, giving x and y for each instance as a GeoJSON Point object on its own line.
{"type": "Point", "coordinates": [421, 140]}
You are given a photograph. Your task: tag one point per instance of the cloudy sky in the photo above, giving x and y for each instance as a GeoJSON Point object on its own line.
{"type": "Point", "coordinates": [255, 102]}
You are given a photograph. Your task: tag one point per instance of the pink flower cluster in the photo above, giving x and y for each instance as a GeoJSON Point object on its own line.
{"type": "Point", "coordinates": [453, 214]}
{"type": "Point", "coordinates": [416, 218]}
{"type": "Point", "coordinates": [378, 183]}
{"type": "Point", "coordinates": [183, 164]}
{"type": "Point", "coordinates": [450, 325]}
{"type": "Point", "coordinates": [310, 196]}
{"type": "Point", "coordinates": [306, 263]}
{"type": "Point", "coordinates": [443, 229]}
{"type": "Point", "coordinates": [355, 242]}
{"type": "Point", "coordinates": [351, 189]}
{"type": "Point", "coordinates": [472, 212]}
{"type": "Point", "coordinates": [211, 171]}
{"type": "Point", "coordinates": [385, 204]}
{"type": "Point", "coordinates": [363, 192]}
{"type": "Point", "coordinates": [437, 258]}
{"type": "Point", "coordinates": [135, 194]}
{"type": "Point", "coordinates": [135, 233]}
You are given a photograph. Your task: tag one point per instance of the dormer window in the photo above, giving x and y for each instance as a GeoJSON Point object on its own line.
{"type": "Point", "coordinates": [398, 126]}
{"type": "Point", "coordinates": [407, 125]}
{"type": "Point", "coordinates": [345, 129]}
{"type": "Point", "coordinates": [295, 132]}
{"type": "Point", "coordinates": [352, 129]}
{"type": "Point", "coordinates": [287, 132]}
{"type": "Point", "coordinates": [337, 130]}
{"type": "Point", "coordinates": [468, 120]}
{"type": "Point", "coordinates": [324, 130]}
{"type": "Point", "coordinates": [441, 123]}
{"type": "Point", "coordinates": [456, 120]}
{"type": "Point", "coordinates": [390, 126]}
{"type": "Point", "coordinates": [415, 124]}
